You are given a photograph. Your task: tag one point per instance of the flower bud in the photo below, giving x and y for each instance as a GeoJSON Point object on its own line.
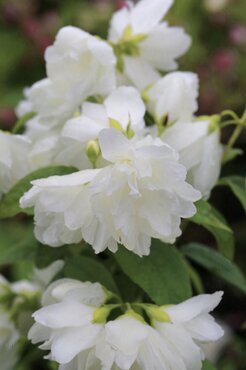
{"type": "Point", "coordinates": [93, 151]}
{"type": "Point", "coordinates": [156, 313]}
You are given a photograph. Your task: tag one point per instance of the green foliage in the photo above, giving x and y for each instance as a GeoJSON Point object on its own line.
{"type": "Point", "coordinates": [215, 263]}
{"type": "Point", "coordinates": [207, 366]}
{"type": "Point", "coordinates": [9, 204]}
{"type": "Point", "coordinates": [237, 184]}
{"type": "Point", "coordinates": [162, 274]}
{"type": "Point", "coordinates": [89, 269]}
{"type": "Point", "coordinates": [210, 218]}
{"type": "Point", "coordinates": [16, 246]}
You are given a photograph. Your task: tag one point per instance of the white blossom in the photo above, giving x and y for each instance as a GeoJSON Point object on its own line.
{"type": "Point", "coordinates": [141, 194]}
{"type": "Point", "coordinates": [62, 207]}
{"type": "Point", "coordinates": [123, 108]}
{"type": "Point", "coordinates": [175, 343]}
{"type": "Point", "coordinates": [190, 325]}
{"type": "Point", "coordinates": [143, 44]}
{"type": "Point", "coordinates": [174, 97]}
{"type": "Point", "coordinates": [78, 65]}
{"type": "Point", "coordinates": [14, 163]}
{"type": "Point", "coordinates": [173, 101]}
{"type": "Point", "coordinates": [200, 152]}
{"type": "Point", "coordinates": [66, 322]}
{"type": "Point", "coordinates": [67, 326]}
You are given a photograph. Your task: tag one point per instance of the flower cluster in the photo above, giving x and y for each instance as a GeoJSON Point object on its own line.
{"type": "Point", "coordinates": [17, 302]}
{"type": "Point", "coordinates": [74, 324]}
{"type": "Point", "coordinates": [140, 159]}
{"type": "Point", "coordinates": [135, 182]}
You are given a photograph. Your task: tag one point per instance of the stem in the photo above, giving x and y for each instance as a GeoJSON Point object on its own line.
{"type": "Point", "coordinates": [236, 133]}
{"type": "Point", "coordinates": [232, 141]}
{"type": "Point", "coordinates": [229, 113]}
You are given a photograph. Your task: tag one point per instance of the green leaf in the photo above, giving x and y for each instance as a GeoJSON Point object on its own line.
{"type": "Point", "coordinates": [232, 154]}
{"type": "Point", "coordinates": [19, 126]}
{"type": "Point", "coordinates": [237, 184]}
{"type": "Point", "coordinates": [216, 263]}
{"type": "Point", "coordinates": [210, 218]}
{"type": "Point", "coordinates": [88, 269]}
{"type": "Point", "coordinates": [207, 366]}
{"type": "Point", "coordinates": [162, 274]}
{"type": "Point", "coordinates": [17, 246]}
{"type": "Point", "coordinates": [9, 204]}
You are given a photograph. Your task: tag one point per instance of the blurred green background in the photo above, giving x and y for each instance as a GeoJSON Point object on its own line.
{"type": "Point", "coordinates": [218, 55]}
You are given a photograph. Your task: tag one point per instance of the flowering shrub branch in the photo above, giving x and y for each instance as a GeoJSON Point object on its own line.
{"type": "Point", "coordinates": [110, 160]}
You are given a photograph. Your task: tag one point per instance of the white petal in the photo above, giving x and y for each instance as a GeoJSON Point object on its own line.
{"type": "Point", "coordinates": [206, 175]}
{"type": "Point", "coordinates": [73, 179]}
{"type": "Point", "coordinates": [119, 22]}
{"type": "Point", "coordinates": [204, 328]}
{"type": "Point", "coordinates": [114, 145]}
{"type": "Point", "coordinates": [64, 314]}
{"type": "Point", "coordinates": [163, 45]}
{"type": "Point", "coordinates": [141, 73]}
{"type": "Point", "coordinates": [194, 307]}
{"type": "Point", "coordinates": [175, 95]}
{"type": "Point", "coordinates": [126, 107]}
{"type": "Point", "coordinates": [126, 334]}
{"type": "Point", "coordinates": [38, 333]}
{"type": "Point", "coordinates": [68, 343]}
{"type": "Point", "coordinates": [147, 14]}
{"type": "Point", "coordinates": [81, 129]}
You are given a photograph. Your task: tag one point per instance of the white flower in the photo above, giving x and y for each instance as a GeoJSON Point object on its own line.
{"type": "Point", "coordinates": [174, 97]}
{"type": "Point", "coordinates": [122, 108]}
{"type": "Point", "coordinates": [190, 325]}
{"type": "Point", "coordinates": [14, 163]}
{"type": "Point", "coordinates": [143, 44]}
{"type": "Point", "coordinates": [69, 327]}
{"type": "Point", "coordinates": [141, 194]}
{"type": "Point", "coordinates": [174, 343]}
{"type": "Point", "coordinates": [78, 65]}
{"type": "Point", "coordinates": [129, 343]}
{"type": "Point", "coordinates": [173, 101]}
{"type": "Point", "coordinates": [200, 152]}
{"type": "Point", "coordinates": [62, 207]}
{"type": "Point", "coordinates": [66, 322]}
{"type": "Point", "coordinates": [84, 61]}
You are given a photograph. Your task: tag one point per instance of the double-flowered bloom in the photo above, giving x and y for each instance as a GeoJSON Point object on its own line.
{"type": "Point", "coordinates": [74, 325]}
{"type": "Point", "coordinates": [141, 193]}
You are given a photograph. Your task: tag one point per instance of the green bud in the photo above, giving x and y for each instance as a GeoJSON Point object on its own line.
{"type": "Point", "coordinates": [93, 151]}
{"type": "Point", "coordinates": [157, 313]}
{"type": "Point", "coordinates": [101, 314]}
{"type": "Point", "coordinates": [115, 124]}
{"type": "Point", "coordinates": [129, 132]}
